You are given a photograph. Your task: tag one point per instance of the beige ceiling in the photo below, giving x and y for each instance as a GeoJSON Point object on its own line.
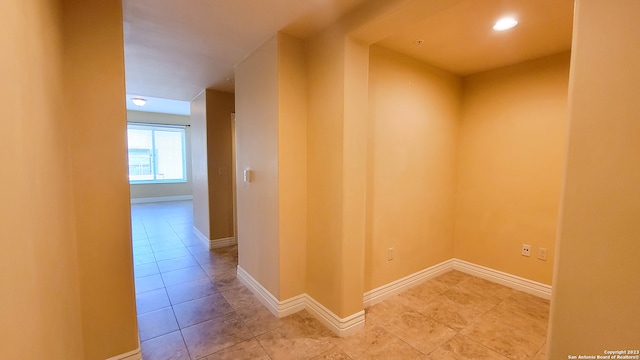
{"type": "Point", "coordinates": [176, 48]}
{"type": "Point", "coordinates": [460, 38]}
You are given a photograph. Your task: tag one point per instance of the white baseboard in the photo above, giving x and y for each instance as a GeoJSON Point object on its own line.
{"type": "Point", "coordinates": [339, 326]}
{"type": "Point", "coordinates": [224, 242]}
{"type": "Point", "coordinates": [512, 281]}
{"type": "Point", "coordinates": [214, 243]}
{"type": "Point", "coordinates": [131, 355]}
{"type": "Point", "coordinates": [278, 308]}
{"type": "Point", "coordinates": [161, 199]}
{"type": "Point", "coordinates": [515, 282]}
{"type": "Point", "coordinates": [395, 287]}
{"type": "Point", "coordinates": [205, 240]}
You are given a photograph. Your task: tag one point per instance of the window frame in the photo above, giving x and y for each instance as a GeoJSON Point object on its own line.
{"type": "Point", "coordinates": [153, 127]}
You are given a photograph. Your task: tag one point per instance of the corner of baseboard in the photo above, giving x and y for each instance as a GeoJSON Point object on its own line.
{"type": "Point", "coordinates": [515, 282]}
{"type": "Point", "coordinates": [131, 355]}
{"type": "Point", "coordinates": [281, 308]}
{"type": "Point", "coordinates": [205, 240]}
{"type": "Point", "coordinates": [223, 242]}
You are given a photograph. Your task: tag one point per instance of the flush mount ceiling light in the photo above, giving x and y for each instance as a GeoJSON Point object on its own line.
{"type": "Point", "coordinates": [505, 24]}
{"type": "Point", "coordinates": [139, 101]}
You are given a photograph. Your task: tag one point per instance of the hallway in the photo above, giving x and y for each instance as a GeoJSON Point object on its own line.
{"type": "Point", "coordinates": [191, 306]}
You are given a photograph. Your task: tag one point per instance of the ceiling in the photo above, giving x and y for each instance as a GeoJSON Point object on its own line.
{"type": "Point", "coordinates": [176, 48]}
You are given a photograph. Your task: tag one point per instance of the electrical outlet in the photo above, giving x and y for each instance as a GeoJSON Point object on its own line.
{"type": "Point", "coordinates": [526, 250]}
{"type": "Point", "coordinates": [390, 254]}
{"type": "Point", "coordinates": [542, 254]}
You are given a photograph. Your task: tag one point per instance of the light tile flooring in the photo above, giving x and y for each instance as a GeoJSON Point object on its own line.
{"type": "Point", "coordinates": [191, 306]}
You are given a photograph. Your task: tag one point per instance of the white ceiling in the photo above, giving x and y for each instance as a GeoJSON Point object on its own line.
{"type": "Point", "coordinates": [176, 48]}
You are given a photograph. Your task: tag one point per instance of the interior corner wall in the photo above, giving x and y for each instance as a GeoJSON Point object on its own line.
{"type": "Point", "coordinates": [39, 286]}
{"type": "Point", "coordinates": [199, 165]}
{"type": "Point", "coordinates": [95, 107]}
{"type": "Point", "coordinates": [219, 107]}
{"type": "Point", "coordinates": [510, 166]}
{"type": "Point", "coordinates": [292, 165]}
{"type": "Point", "coordinates": [256, 80]}
{"type": "Point", "coordinates": [164, 189]}
{"type": "Point", "coordinates": [596, 282]}
{"type": "Point", "coordinates": [324, 169]}
{"type": "Point", "coordinates": [414, 113]}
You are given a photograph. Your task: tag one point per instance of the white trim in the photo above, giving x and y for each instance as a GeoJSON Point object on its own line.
{"type": "Point", "coordinates": [131, 355]}
{"type": "Point", "coordinates": [340, 326]}
{"type": "Point", "coordinates": [388, 290]}
{"type": "Point", "coordinates": [276, 307]}
{"type": "Point", "coordinates": [144, 200]}
{"type": "Point", "coordinates": [202, 236]}
{"type": "Point", "coordinates": [224, 242]}
{"type": "Point", "coordinates": [512, 281]}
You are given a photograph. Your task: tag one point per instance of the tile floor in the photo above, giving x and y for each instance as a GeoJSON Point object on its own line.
{"type": "Point", "coordinates": [191, 306]}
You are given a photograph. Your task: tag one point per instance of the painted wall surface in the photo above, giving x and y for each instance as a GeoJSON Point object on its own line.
{"type": "Point", "coordinates": [169, 189]}
{"type": "Point", "coordinates": [597, 278]}
{"type": "Point", "coordinates": [95, 95]}
{"type": "Point", "coordinates": [256, 80]}
{"type": "Point", "coordinates": [413, 129]}
{"type": "Point", "coordinates": [512, 138]}
{"type": "Point", "coordinates": [220, 106]}
{"type": "Point", "coordinates": [199, 164]}
{"type": "Point", "coordinates": [336, 159]}
{"type": "Point", "coordinates": [292, 165]}
{"type": "Point", "coordinates": [39, 288]}
{"type": "Point", "coordinates": [211, 163]}
{"type": "Point", "coordinates": [324, 170]}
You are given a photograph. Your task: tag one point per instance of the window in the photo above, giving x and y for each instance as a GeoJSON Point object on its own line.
{"type": "Point", "coordinates": [156, 153]}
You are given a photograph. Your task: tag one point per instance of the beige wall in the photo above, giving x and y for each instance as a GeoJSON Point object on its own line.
{"type": "Point", "coordinates": [94, 94]}
{"type": "Point", "coordinates": [414, 113]}
{"type": "Point", "coordinates": [512, 138]}
{"type": "Point", "coordinates": [220, 106]}
{"type": "Point", "coordinates": [597, 282]}
{"type": "Point", "coordinates": [169, 189]}
{"type": "Point", "coordinates": [256, 79]}
{"type": "Point", "coordinates": [199, 164]}
{"type": "Point", "coordinates": [67, 276]}
{"type": "Point", "coordinates": [292, 165]}
{"type": "Point", "coordinates": [211, 163]}
{"type": "Point", "coordinates": [39, 287]}
{"type": "Point", "coordinates": [336, 159]}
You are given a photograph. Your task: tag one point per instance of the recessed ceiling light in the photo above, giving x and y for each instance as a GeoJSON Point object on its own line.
{"type": "Point", "coordinates": [505, 24]}
{"type": "Point", "coordinates": [139, 101]}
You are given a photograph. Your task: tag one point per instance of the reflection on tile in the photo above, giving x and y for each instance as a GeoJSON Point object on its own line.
{"type": "Point", "coordinates": [419, 331]}
{"type": "Point", "coordinates": [246, 350]}
{"type": "Point", "coordinates": [143, 259]}
{"type": "Point", "coordinates": [451, 278]}
{"type": "Point", "coordinates": [454, 315]}
{"type": "Point", "coordinates": [300, 337]}
{"type": "Point", "coordinates": [165, 347]}
{"type": "Point", "coordinates": [258, 319]}
{"type": "Point", "coordinates": [147, 269]}
{"type": "Point", "coordinates": [171, 254]}
{"type": "Point", "coordinates": [191, 291]}
{"type": "Point", "coordinates": [240, 297]}
{"type": "Point", "coordinates": [512, 342]}
{"type": "Point", "coordinates": [156, 323]}
{"type": "Point", "coordinates": [177, 263]}
{"type": "Point", "coordinates": [377, 343]}
{"type": "Point", "coordinates": [214, 335]}
{"type": "Point", "coordinates": [148, 283]}
{"type": "Point", "coordinates": [334, 354]}
{"type": "Point", "coordinates": [184, 275]}
{"type": "Point", "coordinates": [151, 300]}
{"type": "Point", "coordinates": [462, 348]}
{"type": "Point", "coordinates": [196, 311]}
